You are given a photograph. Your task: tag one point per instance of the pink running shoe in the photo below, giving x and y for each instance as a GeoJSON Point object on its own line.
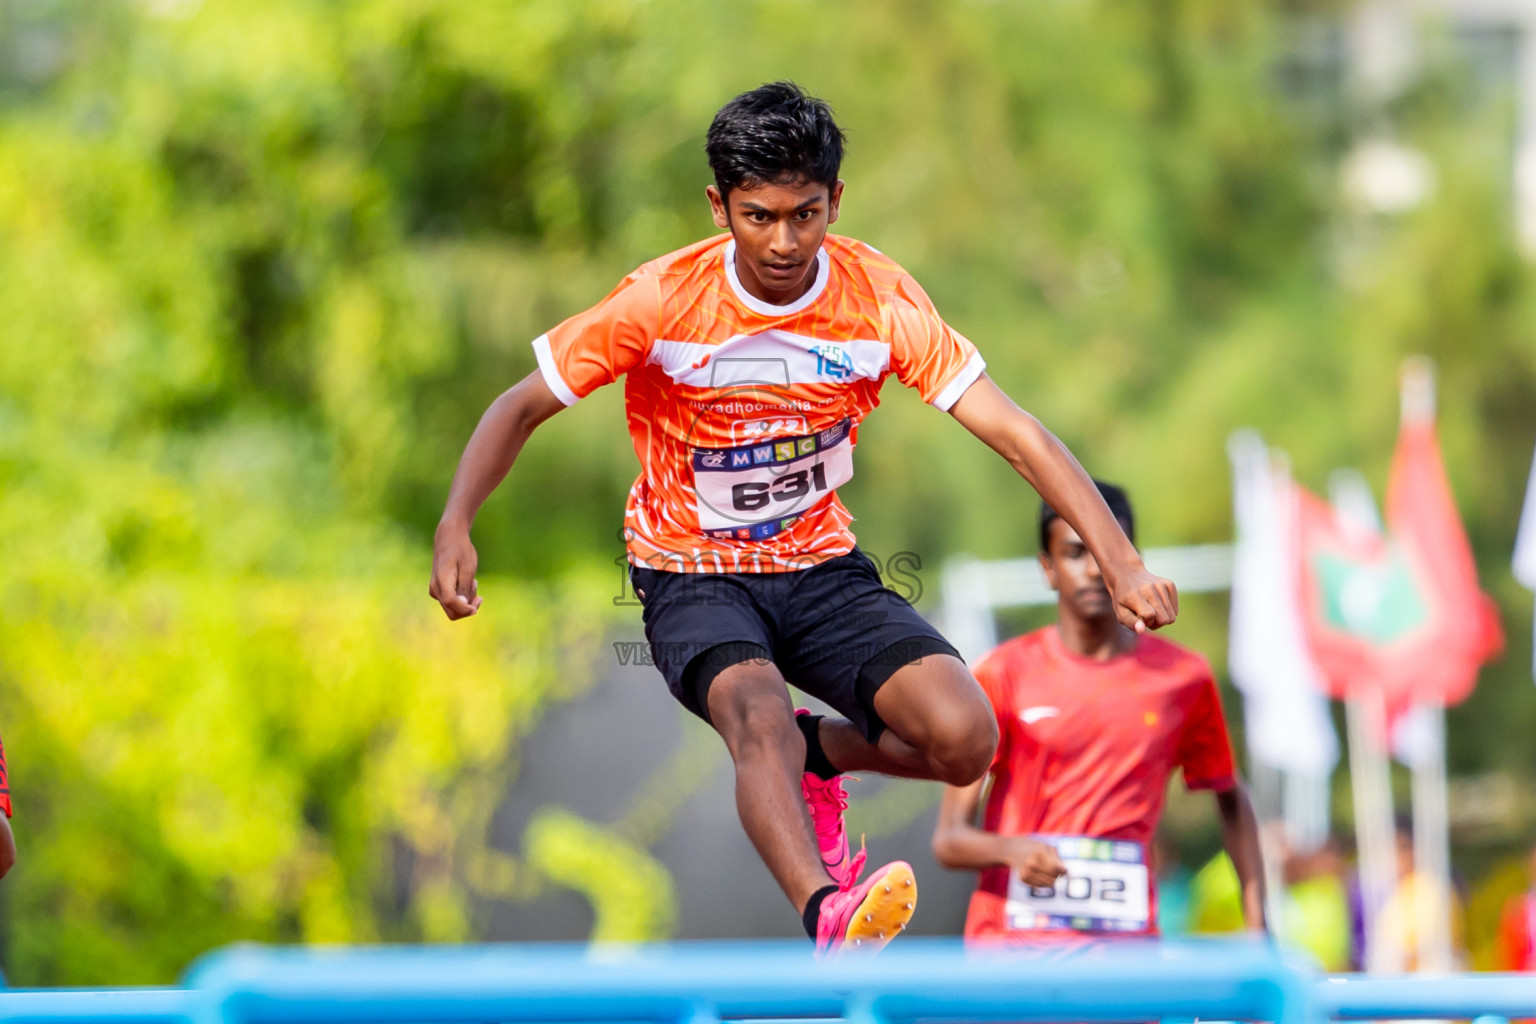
{"type": "Point", "coordinates": [868, 915]}
{"type": "Point", "coordinates": [828, 802]}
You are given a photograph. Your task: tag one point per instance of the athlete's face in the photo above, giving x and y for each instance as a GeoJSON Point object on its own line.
{"type": "Point", "coordinates": [1074, 575]}
{"type": "Point", "coordinates": [778, 231]}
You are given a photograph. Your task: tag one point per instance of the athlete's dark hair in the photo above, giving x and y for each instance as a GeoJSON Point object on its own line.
{"type": "Point", "coordinates": [773, 135]}
{"type": "Point", "coordinates": [1114, 497]}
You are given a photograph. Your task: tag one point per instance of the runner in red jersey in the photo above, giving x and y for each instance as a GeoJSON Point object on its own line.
{"type": "Point", "coordinates": [7, 841]}
{"type": "Point", "coordinates": [1093, 720]}
{"type": "Point", "coordinates": [749, 361]}
{"type": "Point", "coordinates": [1517, 927]}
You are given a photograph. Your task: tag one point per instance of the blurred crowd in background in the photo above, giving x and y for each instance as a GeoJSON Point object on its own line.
{"type": "Point", "coordinates": [265, 264]}
{"type": "Point", "coordinates": [1493, 923]}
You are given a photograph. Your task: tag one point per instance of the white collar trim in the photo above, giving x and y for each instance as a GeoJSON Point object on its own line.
{"type": "Point", "coordinates": [757, 305]}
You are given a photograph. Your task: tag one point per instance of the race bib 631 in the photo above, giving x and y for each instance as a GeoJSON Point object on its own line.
{"type": "Point", "coordinates": [754, 491]}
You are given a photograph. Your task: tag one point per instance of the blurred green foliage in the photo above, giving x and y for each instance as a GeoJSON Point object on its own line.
{"type": "Point", "coordinates": [262, 266]}
{"type": "Point", "coordinates": [631, 893]}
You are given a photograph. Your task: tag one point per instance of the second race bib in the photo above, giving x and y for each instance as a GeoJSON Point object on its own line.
{"type": "Point", "coordinates": [1105, 889]}
{"type": "Point", "coordinates": [755, 491]}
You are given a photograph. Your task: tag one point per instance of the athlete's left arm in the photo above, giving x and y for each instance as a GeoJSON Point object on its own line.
{"type": "Point", "coordinates": [1142, 601]}
{"type": "Point", "coordinates": [1240, 837]}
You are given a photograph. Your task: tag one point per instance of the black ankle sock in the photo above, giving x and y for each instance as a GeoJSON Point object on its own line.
{"type": "Point", "coordinates": [815, 758]}
{"type": "Point", "coordinates": [813, 909]}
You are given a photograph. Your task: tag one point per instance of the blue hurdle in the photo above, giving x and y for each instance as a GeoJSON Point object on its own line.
{"type": "Point", "coordinates": [99, 1006]}
{"type": "Point", "coordinates": [1411, 997]}
{"type": "Point", "coordinates": [914, 982]}
{"type": "Point", "coordinates": [705, 983]}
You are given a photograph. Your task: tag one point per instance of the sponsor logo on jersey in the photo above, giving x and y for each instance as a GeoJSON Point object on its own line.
{"type": "Point", "coordinates": [784, 452]}
{"type": "Point", "coordinates": [714, 460]}
{"type": "Point", "coordinates": [807, 445]}
{"type": "Point", "coordinates": [741, 458]}
{"type": "Point", "coordinates": [763, 454]}
{"type": "Point", "coordinates": [761, 430]}
{"type": "Point", "coordinates": [833, 361]}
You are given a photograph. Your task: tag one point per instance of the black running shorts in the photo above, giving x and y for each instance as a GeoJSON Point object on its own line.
{"type": "Point", "coordinates": [834, 630]}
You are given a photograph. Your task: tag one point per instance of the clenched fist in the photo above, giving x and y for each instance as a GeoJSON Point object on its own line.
{"type": "Point", "coordinates": [453, 572]}
{"type": "Point", "coordinates": [1144, 601]}
{"type": "Point", "coordinates": [1037, 863]}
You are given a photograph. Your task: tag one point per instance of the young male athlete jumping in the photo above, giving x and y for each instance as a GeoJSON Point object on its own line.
{"type": "Point", "coordinates": [749, 361]}
{"type": "Point", "coordinates": [1093, 719]}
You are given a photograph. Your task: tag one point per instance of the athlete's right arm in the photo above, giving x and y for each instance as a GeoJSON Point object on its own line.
{"type": "Point", "coordinates": [492, 449]}
{"type": "Point", "coordinates": [959, 845]}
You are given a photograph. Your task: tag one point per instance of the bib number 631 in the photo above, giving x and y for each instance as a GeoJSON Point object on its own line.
{"type": "Point", "coordinates": [750, 497]}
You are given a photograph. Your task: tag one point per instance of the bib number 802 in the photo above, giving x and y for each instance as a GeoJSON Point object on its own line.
{"type": "Point", "coordinates": [1081, 887]}
{"type": "Point", "coordinates": [790, 487]}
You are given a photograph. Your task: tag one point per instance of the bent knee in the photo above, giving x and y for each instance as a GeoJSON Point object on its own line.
{"type": "Point", "coordinates": [962, 755]}
{"type": "Point", "coordinates": [963, 765]}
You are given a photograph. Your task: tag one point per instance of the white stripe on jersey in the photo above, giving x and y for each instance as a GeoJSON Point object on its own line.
{"type": "Point", "coordinates": [968, 375]}
{"type": "Point", "coordinates": [551, 372]}
{"type": "Point", "coordinates": [773, 357]}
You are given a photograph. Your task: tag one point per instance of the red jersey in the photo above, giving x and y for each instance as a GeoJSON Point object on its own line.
{"type": "Point", "coordinates": [1517, 934]}
{"type": "Point", "coordinates": [1085, 751]}
{"type": "Point", "coordinates": [5, 785]}
{"type": "Point", "coordinates": [744, 414]}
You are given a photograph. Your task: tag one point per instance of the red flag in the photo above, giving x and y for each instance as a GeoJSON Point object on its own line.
{"type": "Point", "coordinates": [1357, 597]}
{"type": "Point", "coordinates": [1401, 612]}
{"type": "Point", "coordinates": [1465, 631]}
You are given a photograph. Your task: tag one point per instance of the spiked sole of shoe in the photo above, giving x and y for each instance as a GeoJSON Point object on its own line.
{"type": "Point", "coordinates": [884, 912]}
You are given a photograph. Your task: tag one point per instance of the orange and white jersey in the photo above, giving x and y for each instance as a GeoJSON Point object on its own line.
{"type": "Point", "coordinates": [744, 414]}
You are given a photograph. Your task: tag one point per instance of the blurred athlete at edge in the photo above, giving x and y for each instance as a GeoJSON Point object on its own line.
{"type": "Point", "coordinates": [7, 840]}
{"type": "Point", "coordinates": [1093, 719]}
{"type": "Point", "coordinates": [749, 360]}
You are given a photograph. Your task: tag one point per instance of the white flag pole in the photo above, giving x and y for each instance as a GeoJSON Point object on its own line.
{"type": "Point", "coordinates": [1431, 824]}
{"type": "Point", "coordinates": [1431, 816]}
{"type": "Point", "coordinates": [1267, 784]}
{"type": "Point", "coordinates": [1365, 718]}
{"type": "Point", "coordinates": [1369, 763]}
{"type": "Point", "coordinates": [1431, 842]}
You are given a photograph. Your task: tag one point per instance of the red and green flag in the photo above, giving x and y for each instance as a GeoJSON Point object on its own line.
{"type": "Point", "coordinates": [1399, 611]}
